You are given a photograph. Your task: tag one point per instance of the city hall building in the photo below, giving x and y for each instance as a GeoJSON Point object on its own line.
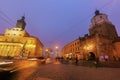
{"type": "Point", "coordinates": [16, 42]}
{"type": "Point", "coordinates": [102, 40]}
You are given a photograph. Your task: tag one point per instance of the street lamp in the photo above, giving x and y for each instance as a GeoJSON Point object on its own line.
{"type": "Point", "coordinates": [88, 47]}
{"type": "Point", "coordinates": [48, 51]}
{"type": "Point", "coordinates": [56, 47]}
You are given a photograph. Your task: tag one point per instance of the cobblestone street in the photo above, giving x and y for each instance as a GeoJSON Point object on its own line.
{"type": "Point", "coordinates": [69, 72]}
{"type": "Point", "coordinates": [55, 70]}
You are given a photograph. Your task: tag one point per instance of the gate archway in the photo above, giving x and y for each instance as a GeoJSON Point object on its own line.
{"type": "Point", "coordinates": [91, 56]}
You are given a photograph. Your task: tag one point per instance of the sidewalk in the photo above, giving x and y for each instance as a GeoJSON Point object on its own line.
{"type": "Point", "coordinates": [111, 64]}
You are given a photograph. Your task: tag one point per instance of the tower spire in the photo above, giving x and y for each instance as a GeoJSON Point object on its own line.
{"type": "Point", "coordinates": [21, 23]}
{"type": "Point", "coordinates": [97, 12]}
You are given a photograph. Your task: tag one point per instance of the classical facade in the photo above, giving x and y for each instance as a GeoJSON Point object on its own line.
{"type": "Point", "coordinates": [16, 42]}
{"type": "Point", "coordinates": [102, 40]}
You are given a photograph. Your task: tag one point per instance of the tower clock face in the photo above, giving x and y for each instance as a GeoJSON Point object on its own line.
{"type": "Point", "coordinates": [98, 19]}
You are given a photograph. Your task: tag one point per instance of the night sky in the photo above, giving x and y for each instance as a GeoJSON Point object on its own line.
{"type": "Point", "coordinates": [56, 22]}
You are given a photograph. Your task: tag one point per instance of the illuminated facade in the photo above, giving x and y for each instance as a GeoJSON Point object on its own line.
{"type": "Point", "coordinates": [102, 40]}
{"type": "Point", "coordinates": [16, 42]}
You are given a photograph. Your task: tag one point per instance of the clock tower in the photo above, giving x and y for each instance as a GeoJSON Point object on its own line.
{"type": "Point", "coordinates": [102, 26]}
{"type": "Point", "coordinates": [99, 18]}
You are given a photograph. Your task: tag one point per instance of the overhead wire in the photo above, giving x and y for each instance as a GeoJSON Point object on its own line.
{"type": "Point", "coordinates": [9, 20]}
{"type": "Point", "coordinates": [6, 21]}
{"type": "Point", "coordinates": [108, 3]}
{"type": "Point", "coordinates": [91, 14]}
{"type": "Point", "coordinates": [81, 21]}
{"type": "Point", "coordinates": [5, 18]}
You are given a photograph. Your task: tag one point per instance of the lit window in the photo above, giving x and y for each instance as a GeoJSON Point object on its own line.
{"type": "Point", "coordinates": [75, 43]}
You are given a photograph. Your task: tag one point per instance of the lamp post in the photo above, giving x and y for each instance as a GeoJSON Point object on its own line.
{"type": "Point", "coordinates": [56, 50]}
{"type": "Point", "coordinates": [47, 52]}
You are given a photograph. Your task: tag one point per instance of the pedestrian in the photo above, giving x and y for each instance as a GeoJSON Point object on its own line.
{"type": "Point", "coordinates": [76, 60]}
